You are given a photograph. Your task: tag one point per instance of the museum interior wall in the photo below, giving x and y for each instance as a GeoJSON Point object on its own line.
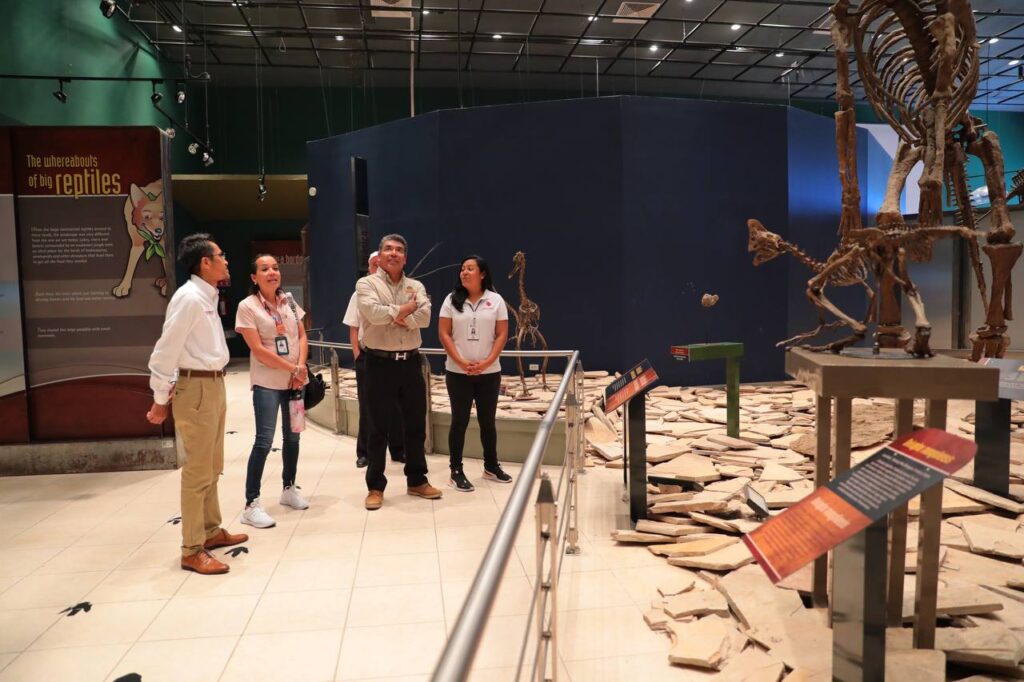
{"type": "Point", "coordinates": [628, 209]}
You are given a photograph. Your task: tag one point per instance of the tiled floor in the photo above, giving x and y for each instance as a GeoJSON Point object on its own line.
{"type": "Point", "coordinates": [331, 593]}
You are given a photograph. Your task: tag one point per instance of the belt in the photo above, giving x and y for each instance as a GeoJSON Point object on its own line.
{"type": "Point", "coordinates": [393, 354]}
{"type": "Point", "coordinates": [201, 373]}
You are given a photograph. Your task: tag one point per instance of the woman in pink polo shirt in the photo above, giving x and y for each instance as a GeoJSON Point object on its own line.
{"type": "Point", "coordinates": [270, 323]}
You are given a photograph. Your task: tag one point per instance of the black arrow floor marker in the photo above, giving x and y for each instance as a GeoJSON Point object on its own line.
{"type": "Point", "coordinates": [275, 449]}
{"type": "Point", "coordinates": [174, 520]}
{"type": "Point", "coordinates": [230, 433]}
{"type": "Point", "coordinates": [80, 606]}
{"type": "Point", "coordinates": [237, 550]}
{"type": "Point", "coordinates": [130, 677]}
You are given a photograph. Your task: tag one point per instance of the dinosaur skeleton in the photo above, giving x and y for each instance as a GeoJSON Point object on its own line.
{"type": "Point", "coordinates": [527, 322]}
{"type": "Point", "coordinates": [918, 62]}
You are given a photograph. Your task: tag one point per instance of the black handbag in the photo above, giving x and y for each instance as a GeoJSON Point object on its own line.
{"type": "Point", "coordinates": [314, 391]}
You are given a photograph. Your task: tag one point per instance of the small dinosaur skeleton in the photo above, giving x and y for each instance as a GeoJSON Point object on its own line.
{"type": "Point", "coordinates": [918, 62]}
{"type": "Point", "coordinates": [527, 322]}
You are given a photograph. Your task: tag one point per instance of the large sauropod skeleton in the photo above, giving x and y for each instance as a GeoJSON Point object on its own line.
{"type": "Point", "coordinates": [918, 62]}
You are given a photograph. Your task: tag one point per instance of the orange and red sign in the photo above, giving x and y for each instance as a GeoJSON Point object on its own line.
{"type": "Point", "coordinates": [831, 514]}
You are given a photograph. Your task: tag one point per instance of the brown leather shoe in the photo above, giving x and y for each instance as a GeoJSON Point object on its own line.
{"type": "Point", "coordinates": [224, 539]}
{"type": "Point", "coordinates": [204, 563]}
{"type": "Point", "coordinates": [374, 500]}
{"type": "Point", "coordinates": [426, 491]}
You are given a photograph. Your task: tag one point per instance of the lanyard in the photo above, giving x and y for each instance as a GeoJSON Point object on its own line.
{"type": "Point", "coordinates": [276, 316]}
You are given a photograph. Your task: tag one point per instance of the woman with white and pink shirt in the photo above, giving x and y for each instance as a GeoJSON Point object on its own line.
{"type": "Point", "coordinates": [271, 324]}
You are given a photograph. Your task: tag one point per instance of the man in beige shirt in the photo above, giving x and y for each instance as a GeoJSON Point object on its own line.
{"type": "Point", "coordinates": [395, 308]}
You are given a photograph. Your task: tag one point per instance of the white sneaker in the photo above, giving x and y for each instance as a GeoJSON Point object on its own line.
{"type": "Point", "coordinates": [290, 498]}
{"type": "Point", "coordinates": [255, 516]}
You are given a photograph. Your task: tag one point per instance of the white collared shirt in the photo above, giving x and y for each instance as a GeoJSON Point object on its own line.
{"type": "Point", "coordinates": [192, 338]}
{"type": "Point", "coordinates": [475, 329]}
{"type": "Point", "coordinates": [353, 318]}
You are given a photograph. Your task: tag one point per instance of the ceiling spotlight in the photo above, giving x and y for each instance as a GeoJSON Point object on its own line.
{"type": "Point", "coordinates": [170, 132]}
{"type": "Point", "coordinates": [207, 159]}
{"type": "Point", "coordinates": [339, 38]}
{"type": "Point", "coordinates": [426, 11]}
{"type": "Point", "coordinates": [155, 98]}
{"type": "Point", "coordinates": [1014, 62]}
{"type": "Point", "coordinates": [261, 189]}
{"type": "Point", "coordinates": [780, 54]}
{"type": "Point", "coordinates": [653, 48]}
{"type": "Point", "coordinates": [177, 29]}
{"type": "Point", "coordinates": [108, 7]}
{"type": "Point", "coordinates": [497, 36]}
{"type": "Point", "coordinates": [993, 41]}
{"type": "Point", "coordinates": [180, 96]}
{"type": "Point", "coordinates": [735, 27]}
{"type": "Point", "coordinates": [591, 18]}
{"type": "Point", "coordinates": [193, 148]}
{"type": "Point", "coordinates": [59, 92]}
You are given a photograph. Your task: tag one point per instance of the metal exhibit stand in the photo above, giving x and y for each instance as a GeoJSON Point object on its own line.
{"type": "Point", "coordinates": [630, 390]}
{"type": "Point", "coordinates": [867, 602]}
{"type": "Point", "coordinates": [992, 428]}
{"type": "Point", "coordinates": [635, 454]}
{"type": "Point", "coordinates": [732, 353]}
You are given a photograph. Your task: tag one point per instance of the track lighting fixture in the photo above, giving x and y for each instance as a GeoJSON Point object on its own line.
{"type": "Point", "coordinates": [170, 132]}
{"type": "Point", "coordinates": [180, 97]}
{"type": "Point", "coordinates": [207, 159]}
{"type": "Point", "coordinates": [108, 7]}
{"type": "Point", "coordinates": [261, 189]}
{"type": "Point", "coordinates": [59, 92]}
{"type": "Point", "coordinates": [156, 96]}
{"type": "Point", "coordinates": [193, 148]}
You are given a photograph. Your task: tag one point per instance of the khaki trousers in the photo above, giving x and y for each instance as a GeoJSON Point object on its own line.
{"type": "Point", "coordinates": [199, 409]}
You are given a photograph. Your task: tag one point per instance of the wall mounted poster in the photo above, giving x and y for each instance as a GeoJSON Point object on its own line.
{"type": "Point", "coordinates": [13, 400]}
{"type": "Point", "coordinates": [93, 214]}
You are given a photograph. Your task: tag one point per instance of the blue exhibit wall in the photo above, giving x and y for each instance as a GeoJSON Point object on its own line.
{"type": "Point", "coordinates": [693, 173]}
{"type": "Point", "coordinates": [815, 194]}
{"type": "Point", "coordinates": [628, 209]}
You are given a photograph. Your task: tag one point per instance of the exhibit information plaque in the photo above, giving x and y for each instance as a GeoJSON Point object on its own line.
{"type": "Point", "coordinates": [628, 385]}
{"type": "Point", "coordinates": [849, 503]}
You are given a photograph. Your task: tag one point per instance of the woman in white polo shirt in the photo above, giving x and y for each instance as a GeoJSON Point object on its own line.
{"type": "Point", "coordinates": [473, 327]}
{"type": "Point", "coordinates": [270, 323]}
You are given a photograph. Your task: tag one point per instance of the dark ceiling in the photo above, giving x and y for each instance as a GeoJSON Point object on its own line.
{"type": "Point", "coordinates": [742, 49]}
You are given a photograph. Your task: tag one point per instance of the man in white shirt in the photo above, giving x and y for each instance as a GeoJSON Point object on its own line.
{"type": "Point", "coordinates": [356, 326]}
{"type": "Point", "coordinates": [187, 365]}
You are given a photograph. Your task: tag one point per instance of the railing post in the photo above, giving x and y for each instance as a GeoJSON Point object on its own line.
{"type": "Point", "coordinates": [336, 387]}
{"type": "Point", "coordinates": [547, 625]}
{"type": "Point", "coordinates": [573, 414]}
{"type": "Point", "coordinates": [428, 446]}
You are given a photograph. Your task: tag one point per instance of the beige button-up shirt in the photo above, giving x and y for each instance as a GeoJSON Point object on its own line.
{"type": "Point", "coordinates": [379, 300]}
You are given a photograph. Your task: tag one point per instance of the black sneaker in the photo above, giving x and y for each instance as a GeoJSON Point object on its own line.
{"type": "Point", "coordinates": [460, 482]}
{"type": "Point", "coordinates": [361, 462]}
{"type": "Point", "coordinates": [496, 474]}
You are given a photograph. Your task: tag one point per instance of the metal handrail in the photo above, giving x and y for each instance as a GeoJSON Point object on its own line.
{"type": "Point", "coordinates": [442, 351]}
{"type": "Point", "coordinates": [461, 649]}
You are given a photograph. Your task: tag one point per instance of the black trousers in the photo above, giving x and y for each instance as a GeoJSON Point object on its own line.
{"type": "Point", "coordinates": [463, 391]}
{"type": "Point", "coordinates": [390, 383]}
{"type": "Point", "coordinates": [396, 442]}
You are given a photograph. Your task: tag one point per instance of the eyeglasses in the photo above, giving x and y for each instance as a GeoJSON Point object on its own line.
{"type": "Point", "coordinates": [223, 255]}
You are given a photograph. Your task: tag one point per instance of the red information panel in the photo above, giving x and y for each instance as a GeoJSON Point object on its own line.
{"type": "Point", "coordinates": [867, 492]}
{"type": "Point", "coordinates": [629, 385]}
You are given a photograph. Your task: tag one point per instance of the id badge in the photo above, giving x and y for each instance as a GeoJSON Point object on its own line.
{"type": "Point", "coordinates": [473, 335]}
{"type": "Point", "coordinates": [282, 344]}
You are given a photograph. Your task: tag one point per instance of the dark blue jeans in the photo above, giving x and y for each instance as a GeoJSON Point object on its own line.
{"type": "Point", "coordinates": [266, 403]}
